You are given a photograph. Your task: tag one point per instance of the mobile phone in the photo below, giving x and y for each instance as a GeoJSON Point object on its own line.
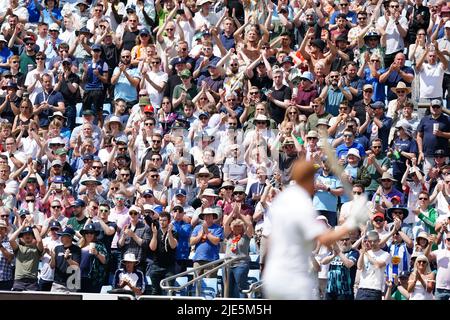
{"type": "Point", "coordinates": [180, 11]}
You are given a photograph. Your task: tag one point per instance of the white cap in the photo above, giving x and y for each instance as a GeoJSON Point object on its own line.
{"type": "Point", "coordinates": [54, 26]}
{"type": "Point", "coordinates": [354, 151]}
{"type": "Point", "coordinates": [447, 24]}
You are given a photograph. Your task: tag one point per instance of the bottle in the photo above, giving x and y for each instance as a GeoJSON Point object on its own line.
{"type": "Point", "coordinates": [377, 198]}
{"type": "Point", "coordinates": [396, 154]}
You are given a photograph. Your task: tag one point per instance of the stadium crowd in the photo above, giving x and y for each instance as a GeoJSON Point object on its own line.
{"type": "Point", "coordinates": [139, 138]}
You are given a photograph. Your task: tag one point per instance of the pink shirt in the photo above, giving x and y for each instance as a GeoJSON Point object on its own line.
{"type": "Point", "coordinates": [121, 218]}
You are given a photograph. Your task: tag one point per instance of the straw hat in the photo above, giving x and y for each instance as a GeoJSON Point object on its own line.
{"type": "Point", "coordinates": [401, 86]}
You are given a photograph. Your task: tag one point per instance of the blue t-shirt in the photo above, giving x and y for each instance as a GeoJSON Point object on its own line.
{"type": "Point", "coordinates": [378, 88]}
{"type": "Point", "coordinates": [383, 132]}
{"type": "Point", "coordinates": [4, 56]}
{"type": "Point", "coordinates": [228, 42]}
{"type": "Point", "coordinates": [183, 229]}
{"type": "Point", "coordinates": [56, 13]}
{"type": "Point", "coordinates": [351, 16]}
{"type": "Point", "coordinates": [123, 88]}
{"type": "Point", "coordinates": [342, 150]}
{"type": "Point", "coordinates": [93, 82]}
{"type": "Point", "coordinates": [431, 142]}
{"type": "Point", "coordinates": [334, 99]}
{"type": "Point", "coordinates": [352, 172]}
{"type": "Point", "coordinates": [324, 200]}
{"type": "Point", "coordinates": [399, 166]}
{"type": "Point", "coordinates": [53, 99]}
{"type": "Point", "coordinates": [394, 78]}
{"type": "Point", "coordinates": [205, 250]}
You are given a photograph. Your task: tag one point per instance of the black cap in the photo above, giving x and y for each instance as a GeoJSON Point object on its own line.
{"type": "Point", "coordinates": [319, 43]}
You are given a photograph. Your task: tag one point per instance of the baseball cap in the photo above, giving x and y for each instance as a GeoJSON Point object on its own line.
{"type": "Point", "coordinates": [60, 151]}
{"type": "Point", "coordinates": [122, 139]}
{"type": "Point", "coordinates": [23, 212]}
{"type": "Point", "coordinates": [143, 101]}
{"type": "Point", "coordinates": [354, 152]}
{"type": "Point", "coordinates": [54, 225]}
{"type": "Point", "coordinates": [144, 31]}
{"type": "Point", "coordinates": [179, 208]}
{"type": "Point", "coordinates": [378, 215]}
{"type": "Point", "coordinates": [96, 47]}
{"type": "Point", "coordinates": [287, 59]}
{"type": "Point", "coordinates": [377, 105]}
{"type": "Point", "coordinates": [436, 102]}
{"type": "Point", "coordinates": [177, 60]}
{"type": "Point", "coordinates": [79, 203]}
{"type": "Point", "coordinates": [88, 156]}
{"type": "Point", "coordinates": [88, 112]}
{"type": "Point", "coordinates": [56, 162]}
{"type": "Point", "coordinates": [185, 73]}
{"type": "Point", "coordinates": [180, 192]}
{"type": "Point", "coordinates": [149, 108]}
{"type": "Point", "coordinates": [147, 192]}
{"type": "Point", "coordinates": [319, 43]}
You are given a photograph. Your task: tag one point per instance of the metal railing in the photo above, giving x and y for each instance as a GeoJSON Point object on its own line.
{"type": "Point", "coordinates": [222, 263]}
{"type": "Point", "coordinates": [254, 287]}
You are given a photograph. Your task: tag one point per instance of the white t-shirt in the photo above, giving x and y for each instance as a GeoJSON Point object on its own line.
{"type": "Point", "coordinates": [30, 79]}
{"type": "Point", "coordinates": [394, 41]}
{"type": "Point", "coordinates": [443, 268]}
{"type": "Point", "coordinates": [371, 277]}
{"type": "Point", "coordinates": [47, 273]}
{"type": "Point", "coordinates": [19, 155]}
{"type": "Point", "coordinates": [110, 16]}
{"type": "Point", "coordinates": [431, 77]}
{"type": "Point", "coordinates": [294, 228]}
{"type": "Point", "coordinates": [210, 20]}
{"type": "Point", "coordinates": [160, 79]}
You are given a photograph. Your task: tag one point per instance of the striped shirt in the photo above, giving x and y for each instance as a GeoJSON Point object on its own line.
{"type": "Point", "coordinates": [401, 256]}
{"type": "Point", "coordinates": [6, 268]}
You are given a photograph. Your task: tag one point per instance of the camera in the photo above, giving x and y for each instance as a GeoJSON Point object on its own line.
{"type": "Point", "coordinates": [180, 11]}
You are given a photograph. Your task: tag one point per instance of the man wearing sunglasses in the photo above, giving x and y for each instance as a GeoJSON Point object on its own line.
{"type": "Point", "coordinates": [126, 79]}
{"type": "Point", "coordinates": [55, 215]}
{"type": "Point", "coordinates": [396, 28]}
{"type": "Point", "coordinates": [344, 9]}
{"type": "Point", "coordinates": [136, 237]}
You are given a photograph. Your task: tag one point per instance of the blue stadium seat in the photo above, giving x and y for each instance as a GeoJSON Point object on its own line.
{"type": "Point", "coordinates": [107, 109]}
{"type": "Point", "coordinates": [178, 283]}
{"type": "Point", "coordinates": [254, 261]}
{"type": "Point", "coordinates": [253, 276]}
{"type": "Point", "coordinates": [253, 247]}
{"type": "Point", "coordinates": [148, 281]}
{"type": "Point", "coordinates": [209, 288]}
{"type": "Point", "coordinates": [79, 119]}
{"type": "Point", "coordinates": [105, 289]}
